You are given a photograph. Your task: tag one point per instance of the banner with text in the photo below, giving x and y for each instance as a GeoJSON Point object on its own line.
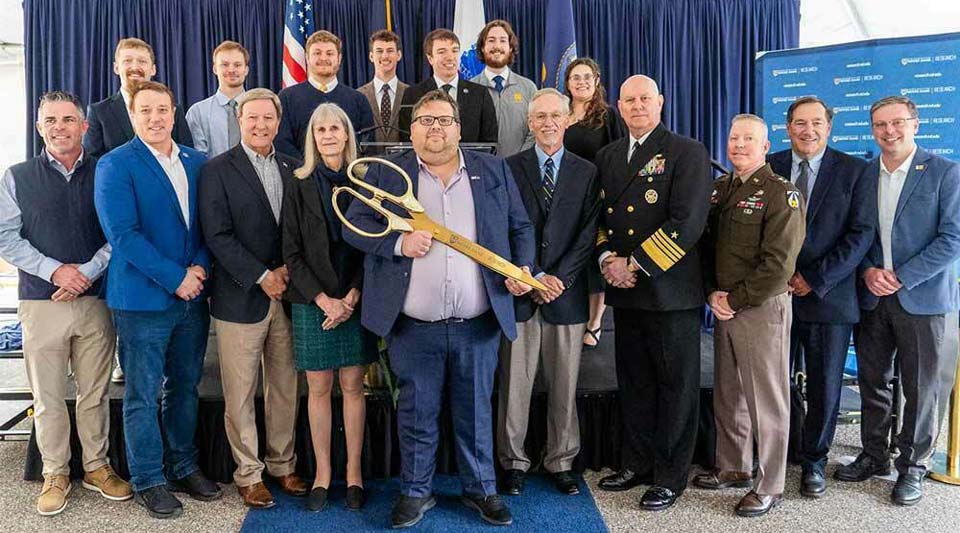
{"type": "Point", "coordinates": [850, 77]}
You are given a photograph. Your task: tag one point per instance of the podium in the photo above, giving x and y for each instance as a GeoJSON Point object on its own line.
{"type": "Point", "coordinates": [951, 470]}
{"type": "Point", "coordinates": [374, 148]}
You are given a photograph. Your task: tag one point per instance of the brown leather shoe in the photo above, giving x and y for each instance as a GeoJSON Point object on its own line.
{"type": "Point", "coordinates": [291, 484]}
{"type": "Point", "coordinates": [754, 504]}
{"type": "Point", "coordinates": [256, 496]}
{"type": "Point", "coordinates": [716, 480]}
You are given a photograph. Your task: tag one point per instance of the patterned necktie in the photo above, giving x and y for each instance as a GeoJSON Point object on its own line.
{"type": "Point", "coordinates": [498, 83]}
{"type": "Point", "coordinates": [446, 88]}
{"type": "Point", "coordinates": [385, 109]}
{"type": "Point", "coordinates": [803, 181]}
{"type": "Point", "coordinates": [233, 128]}
{"type": "Point", "coordinates": [549, 182]}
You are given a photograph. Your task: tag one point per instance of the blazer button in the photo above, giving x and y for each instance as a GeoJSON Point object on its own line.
{"type": "Point", "coordinates": [629, 232]}
{"type": "Point", "coordinates": [609, 210]}
{"type": "Point", "coordinates": [544, 244]}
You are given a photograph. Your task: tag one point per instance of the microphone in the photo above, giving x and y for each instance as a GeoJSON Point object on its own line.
{"type": "Point", "coordinates": [366, 130]}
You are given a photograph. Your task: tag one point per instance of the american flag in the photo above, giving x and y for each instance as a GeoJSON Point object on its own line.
{"type": "Point", "coordinates": [297, 22]}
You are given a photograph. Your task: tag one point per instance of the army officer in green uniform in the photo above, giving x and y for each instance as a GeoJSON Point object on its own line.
{"type": "Point", "coordinates": [754, 233]}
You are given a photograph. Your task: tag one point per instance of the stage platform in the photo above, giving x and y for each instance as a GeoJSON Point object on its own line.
{"type": "Point", "coordinates": [596, 402]}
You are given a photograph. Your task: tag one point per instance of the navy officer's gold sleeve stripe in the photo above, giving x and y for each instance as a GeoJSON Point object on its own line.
{"type": "Point", "coordinates": [662, 250]}
{"type": "Point", "coordinates": [601, 236]}
{"type": "Point", "coordinates": [665, 246]}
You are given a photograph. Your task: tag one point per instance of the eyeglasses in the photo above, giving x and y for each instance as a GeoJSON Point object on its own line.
{"type": "Point", "coordinates": [540, 118]}
{"type": "Point", "coordinates": [897, 123]}
{"type": "Point", "coordinates": [577, 78]}
{"type": "Point", "coordinates": [445, 120]}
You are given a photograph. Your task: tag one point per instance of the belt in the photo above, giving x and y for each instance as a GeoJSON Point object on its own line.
{"type": "Point", "coordinates": [444, 321]}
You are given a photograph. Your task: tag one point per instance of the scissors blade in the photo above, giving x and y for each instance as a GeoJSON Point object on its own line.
{"type": "Point", "coordinates": [474, 251]}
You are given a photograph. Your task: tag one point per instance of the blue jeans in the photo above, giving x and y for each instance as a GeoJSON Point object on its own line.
{"type": "Point", "coordinates": [164, 353]}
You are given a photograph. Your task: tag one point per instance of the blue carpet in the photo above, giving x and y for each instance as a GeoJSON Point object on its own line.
{"type": "Point", "coordinates": [540, 508]}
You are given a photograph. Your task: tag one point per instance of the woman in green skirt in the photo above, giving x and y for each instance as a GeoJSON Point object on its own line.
{"type": "Point", "coordinates": [325, 282]}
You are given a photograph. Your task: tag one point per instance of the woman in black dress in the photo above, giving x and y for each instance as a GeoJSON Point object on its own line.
{"type": "Point", "coordinates": [595, 125]}
{"type": "Point", "coordinates": [325, 281]}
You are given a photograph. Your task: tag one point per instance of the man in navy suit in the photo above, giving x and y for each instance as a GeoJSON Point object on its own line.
{"type": "Point", "coordinates": [909, 300]}
{"type": "Point", "coordinates": [146, 199]}
{"type": "Point", "coordinates": [110, 126]}
{"type": "Point", "coordinates": [561, 193]}
{"type": "Point", "coordinates": [841, 206]}
{"type": "Point", "coordinates": [441, 313]}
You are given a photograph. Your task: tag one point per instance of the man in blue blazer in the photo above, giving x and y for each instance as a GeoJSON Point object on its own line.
{"type": "Point", "coordinates": [908, 301]}
{"type": "Point", "coordinates": [841, 207]}
{"type": "Point", "coordinates": [441, 313]}
{"type": "Point", "coordinates": [146, 199]}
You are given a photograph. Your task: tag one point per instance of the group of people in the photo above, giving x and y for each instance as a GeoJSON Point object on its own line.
{"type": "Point", "coordinates": [228, 211]}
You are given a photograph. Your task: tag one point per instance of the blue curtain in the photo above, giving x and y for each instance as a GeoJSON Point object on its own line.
{"type": "Point", "coordinates": [701, 52]}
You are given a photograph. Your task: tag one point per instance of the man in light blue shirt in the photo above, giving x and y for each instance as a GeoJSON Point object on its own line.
{"type": "Point", "coordinates": [213, 121]}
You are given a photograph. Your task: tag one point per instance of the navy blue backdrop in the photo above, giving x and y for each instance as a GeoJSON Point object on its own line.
{"type": "Point", "coordinates": [700, 51]}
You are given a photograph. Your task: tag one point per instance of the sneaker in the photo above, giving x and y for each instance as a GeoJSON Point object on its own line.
{"type": "Point", "coordinates": [159, 502]}
{"type": "Point", "coordinates": [117, 375]}
{"type": "Point", "coordinates": [492, 509]}
{"type": "Point", "coordinates": [408, 510]}
{"type": "Point", "coordinates": [53, 496]}
{"type": "Point", "coordinates": [105, 481]}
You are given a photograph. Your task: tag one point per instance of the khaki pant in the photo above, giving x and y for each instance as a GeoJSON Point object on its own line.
{"type": "Point", "coordinates": [559, 348]}
{"type": "Point", "coordinates": [82, 333]}
{"type": "Point", "coordinates": [751, 391]}
{"type": "Point", "coordinates": [244, 348]}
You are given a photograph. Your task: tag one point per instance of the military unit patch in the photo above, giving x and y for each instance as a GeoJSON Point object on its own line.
{"type": "Point", "coordinates": [793, 199]}
{"type": "Point", "coordinates": [715, 197]}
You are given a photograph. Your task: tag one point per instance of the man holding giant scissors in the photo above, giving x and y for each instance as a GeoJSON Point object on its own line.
{"type": "Point", "coordinates": [441, 313]}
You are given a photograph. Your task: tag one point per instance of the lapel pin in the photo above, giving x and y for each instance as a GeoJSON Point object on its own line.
{"type": "Point", "coordinates": [475, 177]}
{"type": "Point", "coordinates": [918, 167]}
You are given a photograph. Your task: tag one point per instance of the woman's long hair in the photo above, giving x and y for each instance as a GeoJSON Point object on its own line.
{"type": "Point", "coordinates": [311, 156]}
{"type": "Point", "coordinates": [595, 113]}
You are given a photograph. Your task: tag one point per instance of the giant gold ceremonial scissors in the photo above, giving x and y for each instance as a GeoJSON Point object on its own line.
{"type": "Point", "coordinates": [418, 220]}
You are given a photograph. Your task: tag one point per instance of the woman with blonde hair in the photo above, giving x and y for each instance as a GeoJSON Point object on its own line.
{"type": "Point", "coordinates": [325, 281]}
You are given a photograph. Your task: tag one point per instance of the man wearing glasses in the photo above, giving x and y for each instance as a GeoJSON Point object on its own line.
{"type": "Point", "coordinates": [909, 300]}
{"type": "Point", "coordinates": [444, 319]}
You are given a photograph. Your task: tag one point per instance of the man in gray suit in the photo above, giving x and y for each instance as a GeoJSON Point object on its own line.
{"type": "Point", "coordinates": [385, 91]}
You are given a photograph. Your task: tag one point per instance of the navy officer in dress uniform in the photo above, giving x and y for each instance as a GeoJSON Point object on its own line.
{"type": "Point", "coordinates": [656, 190]}
{"type": "Point", "coordinates": [754, 235]}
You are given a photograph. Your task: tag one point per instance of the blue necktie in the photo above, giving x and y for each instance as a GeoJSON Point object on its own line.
{"type": "Point", "coordinates": [549, 182]}
{"type": "Point", "coordinates": [498, 83]}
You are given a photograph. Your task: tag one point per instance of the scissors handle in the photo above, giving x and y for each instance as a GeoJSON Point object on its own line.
{"type": "Point", "coordinates": [358, 168]}
{"type": "Point", "coordinates": [394, 221]}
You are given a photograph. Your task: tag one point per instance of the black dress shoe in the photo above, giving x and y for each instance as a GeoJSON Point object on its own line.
{"type": "Point", "coordinates": [862, 469]}
{"type": "Point", "coordinates": [566, 482]}
{"type": "Point", "coordinates": [658, 498]}
{"type": "Point", "coordinates": [492, 509]}
{"type": "Point", "coordinates": [197, 486]}
{"type": "Point", "coordinates": [317, 499]}
{"type": "Point", "coordinates": [408, 511]}
{"type": "Point", "coordinates": [813, 484]}
{"type": "Point", "coordinates": [625, 479]}
{"type": "Point", "coordinates": [513, 482]}
{"type": "Point", "coordinates": [159, 502]}
{"type": "Point", "coordinates": [356, 497]}
{"type": "Point", "coordinates": [908, 490]}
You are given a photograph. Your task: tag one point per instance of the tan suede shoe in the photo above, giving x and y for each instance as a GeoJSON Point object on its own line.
{"type": "Point", "coordinates": [53, 496]}
{"type": "Point", "coordinates": [105, 481]}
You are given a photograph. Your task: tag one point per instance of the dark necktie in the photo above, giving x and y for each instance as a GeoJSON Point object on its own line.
{"type": "Point", "coordinates": [634, 151]}
{"type": "Point", "coordinates": [549, 182]}
{"type": "Point", "coordinates": [446, 88]}
{"type": "Point", "coordinates": [498, 83]}
{"type": "Point", "coordinates": [233, 128]}
{"type": "Point", "coordinates": [803, 180]}
{"type": "Point", "coordinates": [385, 109]}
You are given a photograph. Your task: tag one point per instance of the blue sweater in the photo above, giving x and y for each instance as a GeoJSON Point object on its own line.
{"type": "Point", "coordinates": [298, 103]}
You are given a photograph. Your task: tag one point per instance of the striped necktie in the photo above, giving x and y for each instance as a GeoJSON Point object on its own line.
{"type": "Point", "coordinates": [549, 182]}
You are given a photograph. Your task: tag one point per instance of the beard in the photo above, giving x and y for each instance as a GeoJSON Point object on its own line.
{"type": "Point", "coordinates": [498, 62]}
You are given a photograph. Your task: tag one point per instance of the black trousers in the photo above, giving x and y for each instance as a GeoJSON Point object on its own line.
{"type": "Point", "coordinates": [658, 373]}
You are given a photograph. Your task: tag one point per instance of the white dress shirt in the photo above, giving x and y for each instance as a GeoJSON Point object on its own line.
{"type": "Point", "coordinates": [330, 86]}
{"type": "Point", "coordinates": [634, 141]}
{"type": "Point", "coordinates": [173, 168]}
{"type": "Point", "coordinates": [378, 91]}
{"type": "Point", "coordinates": [890, 187]}
{"type": "Point", "coordinates": [452, 83]}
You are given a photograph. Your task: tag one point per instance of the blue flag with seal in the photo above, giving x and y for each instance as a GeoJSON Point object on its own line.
{"type": "Point", "coordinates": [560, 45]}
{"type": "Point", "coordinates": [468, 20]}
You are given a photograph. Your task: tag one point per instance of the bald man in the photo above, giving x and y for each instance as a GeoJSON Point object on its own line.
{"type": "Point", "coordinates": [655, 189]}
